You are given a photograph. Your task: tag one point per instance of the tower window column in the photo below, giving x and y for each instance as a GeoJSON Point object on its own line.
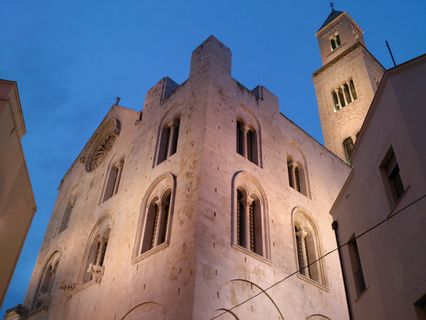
{"type": "Point", "coordinates": [344, 95]}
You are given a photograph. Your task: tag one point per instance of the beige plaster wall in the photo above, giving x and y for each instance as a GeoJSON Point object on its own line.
{"type": "Point", "coordinates": [392, 255]}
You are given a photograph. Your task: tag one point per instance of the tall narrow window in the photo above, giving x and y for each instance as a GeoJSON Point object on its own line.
{"type": "Point", "coordinates": [164, 144]}
{"type": "Point", "coordinates": [241, 219]}
{"type": "Point", "coordinates": [391, 174]}
{"type": "Point", "coordinates": [335, 101]}
{"type": "Point", "coordinates": [94, 266]}
{"type": "Point", "coordinates": [356, 266]}
{"type": "Point", "coordinates": [252, 146]}
{"type": "Point", "coordinates": [157, 221]}
{"type": "Point", "coordinates": [66, 215]}
{"type": "Point", "coordinates": [240, 138]}
{"type": "Point", "coordinates": [341, 97]}
{"type": "Point", "coordinates": [168, 140]}
{"type": "Point", "coordinates": [249, 225]}
{"type": "Point", "coordinates": [113, 180]}
{"type": "Point", "coordinates": [44, 290]}
{"type": "Point", "coordinates": [335, 42]}
{"type": "Point", "coordinates": [290, 172]}
{"type": "Point", "coordinates": [353, 91]}
{"type": "Point", "coordinates": [307, 250]}
{"type": "Point", "coordinates": [348, 146]}
{"type": "Point", "coordinates": [347, 93]}
{"type": "Point", "coordinates": [175, 136]}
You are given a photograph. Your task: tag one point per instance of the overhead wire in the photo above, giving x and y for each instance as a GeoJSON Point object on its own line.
{"type": "Point", "coordinates": [323, 256]}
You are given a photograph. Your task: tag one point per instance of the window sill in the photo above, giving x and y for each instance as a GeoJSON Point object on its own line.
{"type": "Point", "coordinates": [150, 252]}
{"type": "Point", "coordinates": [359, 296]}
{"type": "Point", "coordinates": [395, 205]}
{"type": "Point", "coordinates": [313, 282]}
{"type": "Point", "coordinates": [298, 192]}
{"type": "Point", "coordinates": [249, 161]}
{"type": "Point", "coordinates": [252, 254]}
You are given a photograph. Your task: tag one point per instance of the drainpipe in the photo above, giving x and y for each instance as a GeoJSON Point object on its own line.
{"type": "Point", "coordinates": [334, 226]}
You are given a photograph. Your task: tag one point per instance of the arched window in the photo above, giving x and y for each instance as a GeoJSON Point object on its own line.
{"type": "Point", "coordinates": [344, 95]}
{"type": "Point", "coordinates": [348, 146]}
{"type": "Point", "coordinates": [307, 248]}
{"type": "Point", "coordinates": [156, 217]}
{"type": "Point", "coordinates": [296, 176]}
{"type": "Point", "coordinates": [168, 140]}
{"type": "Point", "coordinates": [347, 93]}
{"type": "Point", "coordinates": [250, 218]}
{"type": "Point", "coordinates": [252, 146]}
{"type": "Point", "coordinates": [156, 224]}
{"type": "Point", "coordinates": [113, 180]}
{"type": "Point", "coordinates": [45, 286]}
{"type": "Point", "coordinates": [335, 42]}
{"type": "Point", "coordinates": [95, 257]}
{"type": "Point", "coordinates": [66, 214]}
{"type": "Point", "coordinates": [247, 142]}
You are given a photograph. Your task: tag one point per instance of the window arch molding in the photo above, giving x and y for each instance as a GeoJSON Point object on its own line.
{"type": "Point", "coordinates": [92, 266]}
{"type": "Point", "coordinates": [308, 250]}
{"type": "Point", "coordinates": [43, 293]}
{"type": "Point", "coordinates": [248, 184]}
{"type": "Point", "coordinates": [111, 183]}
{"type": "Point", "coordinates": [250, 123]}
{"type": "Point", "coordinates": [296, 159]}
{"type": "Point", "coordinates": [167, 137]}
{"type": "Point", "coordinates": [161, 191]}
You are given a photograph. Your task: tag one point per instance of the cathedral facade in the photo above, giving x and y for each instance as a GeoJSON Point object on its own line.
{"type": "Point", "coordinates": [209, 203]}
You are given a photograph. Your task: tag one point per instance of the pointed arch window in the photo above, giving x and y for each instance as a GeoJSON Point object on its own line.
{"type": "Point", "coordinates": [45, 287]}
{"type": "Point", "coordinates": [95, 258]}
{"type": "Point", "coordinates": [252, 146]}
{"type": "Point", "coordinates": [290, 172]}
{"type": "Point", "coordinates": [168, 140]}
{"type": "Point", "coordinates": [307, 249]}
{"type": "Point", "coordinates": [240, 138]}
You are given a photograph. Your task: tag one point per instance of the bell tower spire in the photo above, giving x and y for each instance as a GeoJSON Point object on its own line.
{"type": "Point", "coordinates": [346, 83]}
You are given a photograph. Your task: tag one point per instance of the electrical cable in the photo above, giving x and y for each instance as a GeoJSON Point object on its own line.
{"type": "Point", "coordinates": [322, 257]}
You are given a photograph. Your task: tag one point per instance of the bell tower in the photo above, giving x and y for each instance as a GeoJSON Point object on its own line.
{"type": "Point", "coordinates": [346, 83]}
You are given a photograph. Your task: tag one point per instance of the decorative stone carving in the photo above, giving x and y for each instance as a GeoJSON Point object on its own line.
{"type": "Point", "coordinates": [97, 272]}
{"type": "Point", "coordinates": [100, 144]}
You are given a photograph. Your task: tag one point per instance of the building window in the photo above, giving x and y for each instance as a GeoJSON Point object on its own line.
{"type": "Point", "coordinates": [356, 266]}
{"type": "Point", "coordinates": [252, 146]}
{"type": "Point", "coordinates": [247, 142]}
{"type": "Point", "coordinates": [250, 223]}
{"type": "Point", "coordinates": [113, 180]}
{"type": "Point", "coordinates": [240, 138]}
{"type": "Point", "coordinates": [94, 265]}
{"type": "Point", "coordinates": [156, 224]}
{"type": "Point", "coordinates": [307, 248]}
{"type": "Point", "coordinates": [420, 308]}
{"type": "Point", "coordinates": [391, 176]}
{"type": "Point", "coordinates": [44, 291]}
{"type": "Point", "coordinates": [296, 176]}
{"type": "Point", "coordinates": [156, 217]}
{"type": "Point", "coordinates": [335, 42]}
{"type": "Point", "coordinates": [66, 215]}
{"type": "Point", "coordinates": [168, 140]}
{"type": "Point", "coordinates": [344, 95]}
{"type": "Point", "coordinates": [348, 146]}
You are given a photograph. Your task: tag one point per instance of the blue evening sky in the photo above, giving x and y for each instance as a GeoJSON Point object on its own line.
{"type": "Point", "coordinates": [72, 58]}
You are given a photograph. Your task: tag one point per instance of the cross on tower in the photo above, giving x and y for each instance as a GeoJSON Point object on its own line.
{"type": "Point", "coordinates": [332, 5]}
{"type": "Point", "coordinates": [117, 100]}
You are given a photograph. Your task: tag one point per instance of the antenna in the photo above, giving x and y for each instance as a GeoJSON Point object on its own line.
{"type": "Point", "coordinates": [390, 52]}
